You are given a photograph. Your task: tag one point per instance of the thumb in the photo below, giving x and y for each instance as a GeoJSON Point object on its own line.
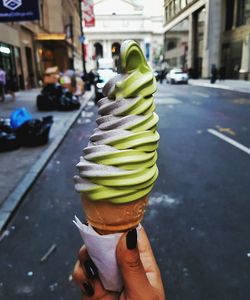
{"type": "Point", "coordinates": [128, 259]}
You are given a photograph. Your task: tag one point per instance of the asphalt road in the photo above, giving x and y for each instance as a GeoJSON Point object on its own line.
{"type": "Point", "coordinates": [198, 220]}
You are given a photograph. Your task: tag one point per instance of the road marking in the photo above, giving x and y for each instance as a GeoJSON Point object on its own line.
{"type": "Point", "coordinates": [242, 101]}
{"type": "Point", "coordinates": [163, 95]}
{"type": "Point", "coordinates": [163, 199]}
{"type": "Point", "coordinates": [201, 94]}
{"type": "Point", "coordinates": [229, 140]}
{"type": "Point", "coordinates": [227, 130]}
{"type": "Point", "coordinates": [167, 101]}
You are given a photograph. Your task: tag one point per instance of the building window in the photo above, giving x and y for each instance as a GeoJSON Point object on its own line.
{"type": "Point", "coordinates": [98, 50]}
{"type": "Point", "coordinates": [241, 12]}
{"type": "Point", "coordinates": [171, 45]}
{"type": "Point", "coordinates": [229, 14]}
{"type": "Point", "coordinates": [177, 6]}
{"type": "Point", "coordinates": [247, 12]}
{"type": "Point", "coordinates": [183, 4]}
{"type": "Point", "coordinates": [115, 49]}
{"type": "Point", "coordinates": [174, 7]}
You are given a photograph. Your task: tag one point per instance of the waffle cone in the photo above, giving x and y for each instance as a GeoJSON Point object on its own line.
{"type": "Point", "coordinates": [107, 217]}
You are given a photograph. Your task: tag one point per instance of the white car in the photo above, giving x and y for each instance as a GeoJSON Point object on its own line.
{"type": "Point", "coordinates": [177, 76]}
{"type": "Point", "coordinates": [103, 76]}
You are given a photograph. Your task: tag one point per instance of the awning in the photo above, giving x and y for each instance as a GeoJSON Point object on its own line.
{"type": "Point", "coordinates": [50, 37]}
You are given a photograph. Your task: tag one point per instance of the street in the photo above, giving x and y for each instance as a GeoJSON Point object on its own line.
{"type": "Point", "coordinates": [197, 220]}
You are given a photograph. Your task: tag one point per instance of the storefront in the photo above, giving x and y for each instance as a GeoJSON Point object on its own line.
{"type": "Point", "coordinates": [10, 62]}
{"type": "Point", "coordinates": [53, 50]}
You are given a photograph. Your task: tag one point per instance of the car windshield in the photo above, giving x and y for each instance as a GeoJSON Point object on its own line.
{"type": "Point", "coordinates": [179, 72]}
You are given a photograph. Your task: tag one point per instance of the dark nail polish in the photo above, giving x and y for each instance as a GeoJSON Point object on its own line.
{"type": "Point", "coordinates": [90, 268]}
{"type": "Point", "coordinates": [88, 289]}
{"type": "Point", "coordinates": [131, 239]}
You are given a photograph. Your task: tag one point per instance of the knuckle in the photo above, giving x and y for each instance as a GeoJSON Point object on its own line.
{"type": "Point", "coordinates": [134, 263]}
{"type": "Point", "coordinates": [153, 296]}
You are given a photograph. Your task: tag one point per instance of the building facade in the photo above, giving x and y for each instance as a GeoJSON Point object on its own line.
{"type": "Point", "coordinates": [215, 32]}
{"type": "Point", "coordinates": [116, 21]}
{"type": "Point", "coordinates": [28, 48]}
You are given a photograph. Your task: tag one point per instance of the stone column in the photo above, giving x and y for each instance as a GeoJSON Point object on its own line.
{"type": "Point", "coordinates": [109, 46]}
{"type": "Point", "coordinates": [105, 48]}
{"type": "Point", "coordinates": [212, 36]}
{"type": "Point", "coordinates": [190, 54]}
{"type": "Point", "coordinates": [245, 58]}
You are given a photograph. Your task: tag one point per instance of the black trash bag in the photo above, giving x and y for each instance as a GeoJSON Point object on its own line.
{"type": "Point", "coordinates": [45, 103]}
{"type": "Point", "coordinates": [49, 97]}
{"type": "Point", "coordinates": [5, 125]}
{"type": "Point", "coordinates": [68, 102]}
{"type": "Point", "coordinates": [35, 132]}
{"type": "Point", "coordinates": [8, 142]}
{"type": "Point", "coordinates": [8, 139]}
{"type": "Point", "coordinates": [54, 90]}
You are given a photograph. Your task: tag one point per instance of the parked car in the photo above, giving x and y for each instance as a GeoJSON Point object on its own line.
{"type": "Point", "coordinates": [102, 77]}
{"type": "Point", "coordinates": [157, 74]}
{"type": "Point", "coordinates": [177, 76]}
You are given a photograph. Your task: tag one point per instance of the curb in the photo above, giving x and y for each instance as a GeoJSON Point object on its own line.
{"type": "Point", "coordinates": [16, 196]}
{"type": "Point", "coordinates": [217, 86]}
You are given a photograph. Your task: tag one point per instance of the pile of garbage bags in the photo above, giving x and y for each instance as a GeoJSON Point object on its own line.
{"type": "Point", "coordinates": [61, 90]}
{"type": "Point", "coordinates": [23, 130]}
{"type": "Point", "coordinates": [55, 97]}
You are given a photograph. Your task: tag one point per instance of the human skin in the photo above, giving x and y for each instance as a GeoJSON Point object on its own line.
{"type": "Point", "coordinates": [140, 272]}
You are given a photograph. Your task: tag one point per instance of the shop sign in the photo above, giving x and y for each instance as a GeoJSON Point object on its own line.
{"type": "Point", "coordinates": [88, 13]}
{"type": "Point", "coordinates": [18, 10]}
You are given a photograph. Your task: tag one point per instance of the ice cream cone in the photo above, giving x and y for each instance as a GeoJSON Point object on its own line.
{"type": "Point", "coordinates": [107, 217]}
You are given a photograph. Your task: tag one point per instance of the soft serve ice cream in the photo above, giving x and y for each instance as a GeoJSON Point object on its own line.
{"type": "Point", "coordinates": [119, 163]}
{"type": "Point", "coordinates": [118, 168]}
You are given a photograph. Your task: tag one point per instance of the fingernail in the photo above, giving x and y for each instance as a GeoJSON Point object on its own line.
{"type": "Point", "coordinates": [88, 289]}
{"type": "Point", "coordinates": [90, 268]}
{"type": "Point", "coordinates": [131, 239]}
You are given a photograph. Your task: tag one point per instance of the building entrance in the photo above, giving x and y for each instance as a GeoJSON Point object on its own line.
{"type": "Point", "coordinates": [8, 57]}
{"type": "Point", "coordinates": [30, 79]}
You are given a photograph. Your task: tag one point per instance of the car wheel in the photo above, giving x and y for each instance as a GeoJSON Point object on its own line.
{"type": "Point", "coordinates": [172, 81]}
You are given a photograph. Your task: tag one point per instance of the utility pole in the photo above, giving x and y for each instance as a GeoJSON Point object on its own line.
{"type": "Point", "coordinates": [82, 39]}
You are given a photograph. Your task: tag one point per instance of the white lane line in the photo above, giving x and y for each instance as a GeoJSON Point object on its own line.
{"type": "Point", "coordinates": [201, 94]}
{"type": "Point", "coordinates": [229, 140]}
{"type": "Point", "coordinates": [162, 95]}
{"type": "Point", "coordinates": [167, 101]}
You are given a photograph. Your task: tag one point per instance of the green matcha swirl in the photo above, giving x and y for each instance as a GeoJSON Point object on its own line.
{"type": "Point", "coordinates": [119, 163]}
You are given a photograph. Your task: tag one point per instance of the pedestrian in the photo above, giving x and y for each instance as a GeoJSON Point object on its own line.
{"type": "Point", "coordinates": [10, 87]}
{"type": "Point", "coordinates": [213, 74]}
{"type": "Point", "coordinates": [222, 73]}
{"type": "Point", "coordinates": [2, 84]}
{"type": "Point", "coordinates": [140, 272]}
{"type": "Point", "coordinates": [162, 76]}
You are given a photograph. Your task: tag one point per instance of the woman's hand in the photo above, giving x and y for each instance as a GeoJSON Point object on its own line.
{"type": "Point", "coordinates": [140, 273]}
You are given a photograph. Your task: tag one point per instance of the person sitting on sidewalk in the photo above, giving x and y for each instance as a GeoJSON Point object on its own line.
{"type": "Point", "coordinates": [2, 84]}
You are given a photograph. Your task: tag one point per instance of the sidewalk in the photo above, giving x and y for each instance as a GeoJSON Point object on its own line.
{"type": "Point", "coordinates": [21, 167]}
{"type": "Point", "coordinates": [232, 85]}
